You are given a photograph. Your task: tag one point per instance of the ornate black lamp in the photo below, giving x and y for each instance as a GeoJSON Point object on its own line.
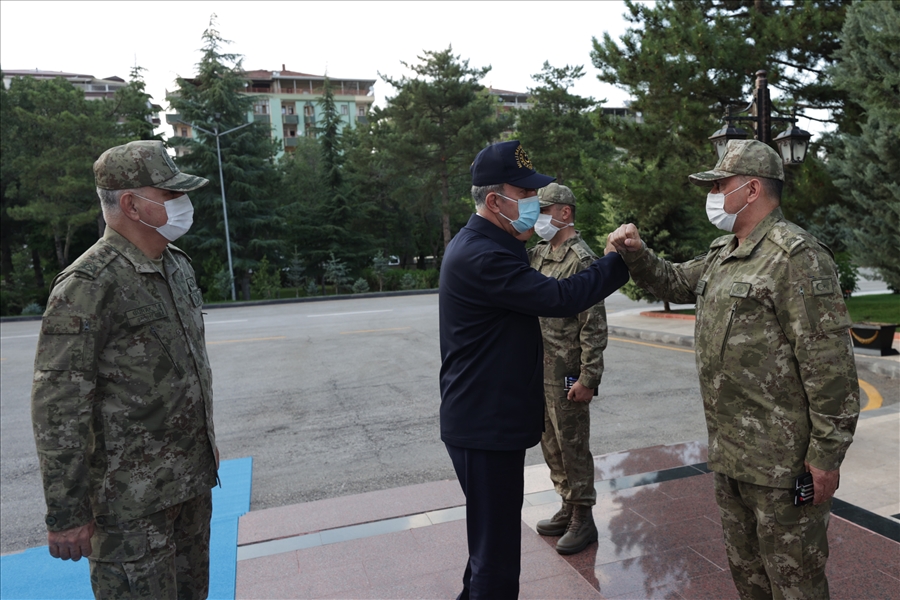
{"type": "Point", "coordinates": [792, 144]}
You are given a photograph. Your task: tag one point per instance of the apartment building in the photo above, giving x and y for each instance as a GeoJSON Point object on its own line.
{"type": "Point", "coordinates": [291, 103]}
{"type": "Point", "coordinates": [94, 88]}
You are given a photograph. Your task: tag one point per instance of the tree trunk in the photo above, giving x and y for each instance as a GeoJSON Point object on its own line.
{"type": "Point", "coordinates": [60, 255]}
{"type": "Point", "coordinates": [245, 286]}
{"type": "Point", "coordinates": [6, 250]}
{"type": "Point", "coordinates": [445, 208]}
{"type": "Point", "coordinates": [666, 306]}
{"type": "Point", "coordinates": [38, 270]}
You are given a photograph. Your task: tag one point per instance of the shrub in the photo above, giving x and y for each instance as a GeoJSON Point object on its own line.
{"type": "Point", "coordinates": [360, 286]}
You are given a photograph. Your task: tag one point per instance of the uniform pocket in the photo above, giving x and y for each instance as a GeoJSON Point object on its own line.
{"type": "Point", "coordinates": [119, 546]}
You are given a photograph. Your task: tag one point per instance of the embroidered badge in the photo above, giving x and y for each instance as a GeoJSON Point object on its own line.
{"type": "Point", "coordinates": [522, 159]}
{"type": "Point", "coordinates": [701, 287]}
{"type": "Point", "coordinates": [821, 287]}
{"type": "Point", "coordinates": [145, 314]}
{"type": "Point", "coordinates": [740, 290]}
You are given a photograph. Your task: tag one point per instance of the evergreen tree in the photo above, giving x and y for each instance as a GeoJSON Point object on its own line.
{"type": "Point", "coordinates": [134, 108]}
{"type": "Point", "coordinates": [683, 62]}
{"type": "Point", "coordinates": [866, 166]}
{"type": "Point", "coordinates": [564, 138]}
{"type": "Point", "coordinates": [214, 101]}
{"type": "Point", "coordinates": [52, 137]}
{"type": "Point", "coordinates": [433, 128]}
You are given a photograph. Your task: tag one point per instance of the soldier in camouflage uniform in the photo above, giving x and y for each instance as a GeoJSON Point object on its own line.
{"type": "Point", "coordinates": [573, 347]}
{"type": "Point", "coordinates": [122, 395]}
{"type": "Point", "coordinates": [776, 366]}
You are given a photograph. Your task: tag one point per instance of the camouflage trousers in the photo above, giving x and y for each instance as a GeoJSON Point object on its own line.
{"type": "Point", "coordinates": [775, 549]}
{"type": "Point", "coordinates": [566, 446]}
{"type": "Point", "coordinates": [162, 556]}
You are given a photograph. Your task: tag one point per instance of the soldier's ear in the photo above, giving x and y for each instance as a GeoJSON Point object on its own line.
{"type": "Point", "coordinates": [127, 204]}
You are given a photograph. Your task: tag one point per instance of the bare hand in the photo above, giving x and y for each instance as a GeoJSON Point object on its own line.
{"type": "Point", "coordinates": [824, 483]}
{"type": "Point", "coordinates": [626, 237]}
{"type": "Point", "coordinates": [71, 543]}
{"type": "Point", "coordinates": [579, 393]}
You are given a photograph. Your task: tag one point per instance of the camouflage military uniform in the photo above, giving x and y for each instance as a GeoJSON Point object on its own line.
{"type": "Point", "coordinates": [573, 346]}
{"type": "Point", "coordinates": [122, 406]}
{"type": "Point", "coordinates": [779, 387]}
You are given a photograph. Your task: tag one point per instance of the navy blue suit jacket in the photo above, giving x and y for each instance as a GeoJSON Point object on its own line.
{"type": "Point", "coordinates": [492, 376]}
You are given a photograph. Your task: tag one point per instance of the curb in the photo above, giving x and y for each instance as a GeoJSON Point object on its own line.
{"type": "Point", "coordinates": [276, 301]}
{"type": "Point", "coordinates": [885, 367]}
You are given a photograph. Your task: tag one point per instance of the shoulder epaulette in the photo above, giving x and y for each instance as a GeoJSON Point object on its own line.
{"type": "Point", "coordinates": [583, 252]}
{"type": "Point", "coordinates": [174, 248]}
{"type": "Point", "coordinates": [94, 260]}
{"type": "Point", "coordinates": [788, 237]}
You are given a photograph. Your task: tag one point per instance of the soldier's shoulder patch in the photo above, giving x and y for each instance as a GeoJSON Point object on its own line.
{"type": "Point", "coordinates": [92, 262]}
{"type": "Point", "coordinates": [178, 250]}
{"type": "Point", "coordinates": [823, 286]}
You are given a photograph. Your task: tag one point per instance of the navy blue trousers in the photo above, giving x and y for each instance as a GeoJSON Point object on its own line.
{"type": "Point", "coordinates": [493, 483]}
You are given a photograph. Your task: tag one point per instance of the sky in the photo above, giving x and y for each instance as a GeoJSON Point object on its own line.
{"type": "Point", "coordinates": [355, 40]}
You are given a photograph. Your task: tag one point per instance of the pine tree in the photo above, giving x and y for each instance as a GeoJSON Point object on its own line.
{"type": "Point", "coordinates": [433, 128]}
{"type": "Point", "coordinates": [214, 101]}
{"type": "Point", "coordinates": [866, 166]}
{"type": "Point", "coordinates": [682, 62]}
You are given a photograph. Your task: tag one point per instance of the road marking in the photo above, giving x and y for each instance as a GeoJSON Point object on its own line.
{"type": "Point", "coordinates": [875, 399]}
{"type": "Point", "coordinates": [220, 322]}
{"type": "Point", "coordinates": [374, 330]}
{"type": "Point", "coordinates": [12, 337]}
{"type": "Point", "coordinates": [280, 337]}
{"type": "Point", "coordinates": [361, 312]}
{"type": "Point", "coordinates": [618, 339]}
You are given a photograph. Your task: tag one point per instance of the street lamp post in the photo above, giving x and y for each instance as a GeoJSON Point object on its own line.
{"type": "Point", "coordinates": [215, 133]}
{"type": "Point", "coordinates": [792, 143]}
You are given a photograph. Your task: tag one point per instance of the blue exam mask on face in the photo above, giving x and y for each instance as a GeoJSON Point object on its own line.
{"type": "Point", "coordinates": [529, 209]}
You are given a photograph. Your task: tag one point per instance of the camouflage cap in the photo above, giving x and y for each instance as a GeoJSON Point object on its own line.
{"type": "Point", "coordinates": [555, 193]}
{"type": "Point", "coordinates": [743, 157]}
{"type": "Point", "coordinates": [140, 164]}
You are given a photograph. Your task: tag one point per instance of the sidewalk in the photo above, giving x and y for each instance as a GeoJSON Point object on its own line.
{"type": "Point", "coordinates": [660, 534]}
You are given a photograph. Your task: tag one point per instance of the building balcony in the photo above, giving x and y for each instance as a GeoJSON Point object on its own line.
{"type": "Point", "coordinates": [362, 119]}
{"type": "Point", "coordinates": [262, 118]}
{"type": "Point", "coordinates": [290, 142]}
{"type": "Point", "coordinates": [290, 119]}
{"type": "Point", "coordinates": [309, 120]}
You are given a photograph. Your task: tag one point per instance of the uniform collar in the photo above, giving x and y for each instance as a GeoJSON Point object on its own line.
{"type": "Point", "coordinates": [759, 233]}
{"type": "Point", "coordinates": [548, 253]}
{"type": "Point", "coordinates": [133, 254]}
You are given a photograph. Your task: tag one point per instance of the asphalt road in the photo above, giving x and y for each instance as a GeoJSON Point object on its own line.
{"type": "Point", "coordinates": [341, 397]}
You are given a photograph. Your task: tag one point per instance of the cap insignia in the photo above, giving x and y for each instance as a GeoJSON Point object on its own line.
{"type": "Point", "coordinates": [522, 159]}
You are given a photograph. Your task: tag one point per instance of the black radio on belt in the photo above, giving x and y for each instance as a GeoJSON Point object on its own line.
{"type": "Point", "coordinates": [803, 489]}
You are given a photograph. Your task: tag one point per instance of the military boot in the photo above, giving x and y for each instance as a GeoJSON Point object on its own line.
{"type": "Point", "coordinates": [580, 533]}
{"type": "Point", "coordinates": [556, 525]}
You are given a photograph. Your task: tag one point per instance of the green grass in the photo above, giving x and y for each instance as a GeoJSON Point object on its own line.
{"type": "Point", "coordinates": [879, 308]}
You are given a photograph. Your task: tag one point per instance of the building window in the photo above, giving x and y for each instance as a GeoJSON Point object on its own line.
{"type": "Point", "coordinates": [184, 132]}
{"type": "Point", "coordinates": [360, 111]}
{"type": "Point", "coordinates": [308, 110]}
{"type": "Point", "coordinates": [290, 109]}
{"type": "Point", "coordinates": [345, 110]}
{"type": "Point", "coordinates": [261, 107]}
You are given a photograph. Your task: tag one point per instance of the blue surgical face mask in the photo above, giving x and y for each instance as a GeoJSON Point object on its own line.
{"type": "Point", "coordinates": [529, 209]}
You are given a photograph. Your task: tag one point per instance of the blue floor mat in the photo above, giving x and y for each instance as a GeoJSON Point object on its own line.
{"type": "Point", "coordinates": [35, 574]}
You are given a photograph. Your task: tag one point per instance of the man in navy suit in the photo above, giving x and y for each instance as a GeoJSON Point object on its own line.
{"type": "Point", "coordinates": [492, 394]}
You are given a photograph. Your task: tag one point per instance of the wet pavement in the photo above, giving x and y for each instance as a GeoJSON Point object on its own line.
{"type": "Point", "coordinates": [660, 534]}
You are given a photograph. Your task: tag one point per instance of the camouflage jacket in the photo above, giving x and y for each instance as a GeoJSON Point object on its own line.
{"type": "Point", "coordinates": [122, 398]}
{"type": "Point", "coordinates": [573, 346]}
{"type": "Point", "coordinates": [773, 349]}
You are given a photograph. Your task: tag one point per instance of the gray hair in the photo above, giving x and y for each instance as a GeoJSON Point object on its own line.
{"type": "Point", "coordinates": [480, 193]}
{"type": "Point", "coordinates": [109, 201]}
